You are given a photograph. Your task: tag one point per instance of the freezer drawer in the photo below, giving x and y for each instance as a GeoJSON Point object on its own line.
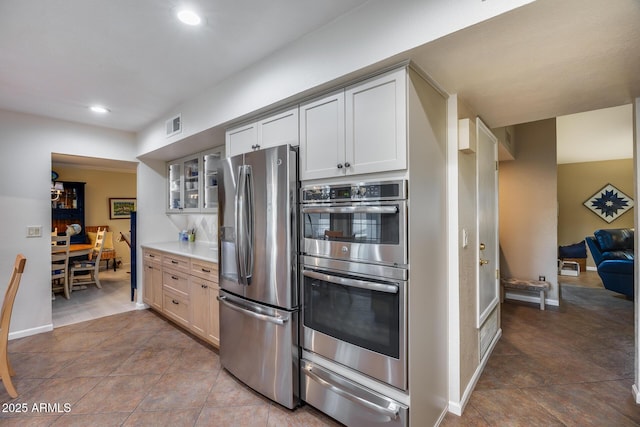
{"type": "Point", "coordinates": [348, 402]}
{"type": "Point", "coordinates": [259, 346]}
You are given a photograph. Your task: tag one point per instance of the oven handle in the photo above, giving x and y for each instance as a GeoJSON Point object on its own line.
{"type": "Point", "coordinates": [273, 319]}
{"type": "Point", "coordinates": [367, 209]}
{"type": "Point", "coordinates": [391, 411]}
{"type": "Point", "coordinates": [355, 283]}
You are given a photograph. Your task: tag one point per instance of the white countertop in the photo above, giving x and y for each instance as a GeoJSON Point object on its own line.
{"type": "Point", "coordinates": [199, 250]}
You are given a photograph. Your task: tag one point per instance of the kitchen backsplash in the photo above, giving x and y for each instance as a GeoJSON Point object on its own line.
{"type": "Point", "coordinates": [205, 226]}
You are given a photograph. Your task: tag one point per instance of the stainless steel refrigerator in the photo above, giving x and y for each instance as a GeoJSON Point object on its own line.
{"type": "Point", "coordinates": [258, 246]}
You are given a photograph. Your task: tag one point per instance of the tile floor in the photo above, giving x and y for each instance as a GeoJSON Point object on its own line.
{"type": "Point", "coordinates": [570, 366]}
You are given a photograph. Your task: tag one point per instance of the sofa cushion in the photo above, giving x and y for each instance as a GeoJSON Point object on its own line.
{"type": "Point", "coordinates": [576, 250]}
{"type": "Point", "coordinates": [614, 239]}
{"type": "Point", "coordinates": [617, 255]}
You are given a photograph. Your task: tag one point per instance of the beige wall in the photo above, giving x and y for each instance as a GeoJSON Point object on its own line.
{"type": "Point", "coordinates": [528, 206]}
{"type": "Point", "coordinates": [577, 182]}
{"type": "Point", "coordinates": [100, 186]}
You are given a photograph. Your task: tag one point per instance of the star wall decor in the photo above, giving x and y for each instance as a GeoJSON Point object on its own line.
{"type": "Point", "coordinates": [609, 203]}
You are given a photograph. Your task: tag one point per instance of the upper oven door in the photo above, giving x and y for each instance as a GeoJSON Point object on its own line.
{"type": "Point", "coordinates": [373, 232]}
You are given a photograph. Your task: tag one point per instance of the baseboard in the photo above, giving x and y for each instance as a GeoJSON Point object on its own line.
{"type": "Point", "coordinates": [29, 332]}
{"type": "Point", "coordinates": [141, 306]}
{"type": "Point", "coordinates": [590, 268]}
{"type": "Point", "coordinates": [636, 394]}
{"type": "Point", "coordinates": [531, 298]}
{"type": "Point", "coordinates": [457, 408]}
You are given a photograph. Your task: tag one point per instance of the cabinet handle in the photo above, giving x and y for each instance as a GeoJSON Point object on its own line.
{"type": "Point", "coordinates": [347, 165]}
{"type": "Point", "coordinates": [205, 270]}
{"type": "Point", "coordinates": [339, 165]}
{"type": "Point", "coordinates": [174, 277]}
{"type": "Point", "coordinates": [151, 256]}
{"type": "Point", "coordinates": [204, 286]}
{"type": "Point", "coordinates": [174, 261]}
{"type": "Point", "coordinates": [257, 146]}
{"type": "Point", "coordinates": [175, 302]}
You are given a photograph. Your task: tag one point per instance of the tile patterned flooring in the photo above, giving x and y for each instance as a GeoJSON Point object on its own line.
{"type": "Point", "coordinates": [567, 366]}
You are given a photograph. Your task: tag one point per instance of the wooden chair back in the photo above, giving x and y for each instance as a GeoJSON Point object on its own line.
{"type": "Point", "coordinates": [6, 371]}
{"type": "Point", "coordinates": [60, 264]}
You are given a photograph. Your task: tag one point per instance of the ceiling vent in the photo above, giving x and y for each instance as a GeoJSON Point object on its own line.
{"type": "Point", "coordinates": [174, 126]}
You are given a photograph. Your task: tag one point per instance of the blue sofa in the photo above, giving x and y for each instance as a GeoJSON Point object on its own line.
{"type": "Point", "coordinates": [612, 251]}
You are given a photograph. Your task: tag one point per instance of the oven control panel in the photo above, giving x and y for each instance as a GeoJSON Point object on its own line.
{"type": "Point", "coordinates": [391, 190]}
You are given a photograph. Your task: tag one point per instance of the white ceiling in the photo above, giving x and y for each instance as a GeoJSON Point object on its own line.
{"type": "Point", "coordinates": [546, 59]}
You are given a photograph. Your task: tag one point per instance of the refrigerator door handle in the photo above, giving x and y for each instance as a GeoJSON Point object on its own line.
{"type": "Point", "coordinates": [249, 231]}
{"type": "Point", "coordinates": [239, 225]}
{"type": "Point", "coordinates": [273, 319]}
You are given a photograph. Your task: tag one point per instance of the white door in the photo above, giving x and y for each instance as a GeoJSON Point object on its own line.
{"type": "Point", "coordinates": [322, 137]}
{"type": "Point", "coordinates": [376, 124]}
{"type": "Point", "coordinates": [488, 252]}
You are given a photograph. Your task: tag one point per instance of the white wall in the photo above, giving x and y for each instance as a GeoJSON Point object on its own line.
{"type": "Point", "coordinates": [26, 144]}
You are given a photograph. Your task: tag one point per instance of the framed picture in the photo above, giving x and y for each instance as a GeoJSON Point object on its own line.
{"type": "Point", "coordinates": [121, 208]}
{"type": "Point", "coordinates": [609, 203]}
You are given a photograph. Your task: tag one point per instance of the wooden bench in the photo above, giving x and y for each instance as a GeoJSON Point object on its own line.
{"type": "Point", "coordinates": [525, 285]}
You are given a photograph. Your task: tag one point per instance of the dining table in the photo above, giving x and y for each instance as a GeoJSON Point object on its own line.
{"type": "Point", "coordinates": [79, 249]}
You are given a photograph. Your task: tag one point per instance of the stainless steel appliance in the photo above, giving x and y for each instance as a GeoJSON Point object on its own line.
{"type": "Point", "coordinates": [364, 222]}
{"type": "Point", "coordinates": [354, 279]}
{"type": "Point", "coordinates": [258, 247]}
{"type": "Point", "coordinates": [356, 317]}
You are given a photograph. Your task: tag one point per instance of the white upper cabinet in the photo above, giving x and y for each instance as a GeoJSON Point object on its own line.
{"type": "Point", "coordinates": [322, 137]}
{"type": "Point", "coordinates": [376, 124]}
{"type": "Point", "coordinates": [184, 185]}
{"type": "Point", "coordinates": [193, 182]}
{"type": "Point", "coordinates": [242, 139]}
{"type": "Point", "coordinates": [279, 129]}
{"type": "Point", "coordinates": [361, 129]}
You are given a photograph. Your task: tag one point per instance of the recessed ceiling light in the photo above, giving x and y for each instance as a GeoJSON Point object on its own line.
{"type": "Point", "coordinates": [99, 109]}
{"type": "Point", "coordinates": [189, 17]}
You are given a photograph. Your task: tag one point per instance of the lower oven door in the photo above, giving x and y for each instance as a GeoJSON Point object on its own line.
{"type": "Point", "coordinates": [349, 402]}
{"type": "Point", "coordinates": [357, 321]}
{"type": "Point", "coordinates": [259, 346]}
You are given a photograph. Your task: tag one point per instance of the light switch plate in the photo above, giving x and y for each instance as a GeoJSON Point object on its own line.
{"type": "Point", "coordinates": [34, 231]}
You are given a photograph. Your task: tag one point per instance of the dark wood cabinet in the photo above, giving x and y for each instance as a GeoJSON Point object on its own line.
{"type": "Point", "coordinates": [69, 209]}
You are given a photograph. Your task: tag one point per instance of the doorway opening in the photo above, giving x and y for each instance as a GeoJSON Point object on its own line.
{"type": "Point", "coordinates": [92, 185]}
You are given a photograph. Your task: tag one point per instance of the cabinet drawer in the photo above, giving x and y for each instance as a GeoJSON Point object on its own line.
{"type": "Point", "coordinates": [204, 269]}
{"type": "Point", "coordinates": [176, 262]}
{"type": "Point", "coordinates": [176, 306]}
{"type": "Point", "coordinates": [176, 281]}
{"type": "Point", "coordinates": [152, 256]}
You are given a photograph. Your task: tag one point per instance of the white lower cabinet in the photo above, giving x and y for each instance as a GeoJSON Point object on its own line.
{"type": "Point", "coordinates": [184, 290]}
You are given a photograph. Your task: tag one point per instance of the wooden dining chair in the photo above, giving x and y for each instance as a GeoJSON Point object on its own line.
{"type": "Point", "coordinates": [60, 265]}
{"type": "Point", "coordinates": [6, 371]}
{"type": "Point", "coordinates": [88, 269]}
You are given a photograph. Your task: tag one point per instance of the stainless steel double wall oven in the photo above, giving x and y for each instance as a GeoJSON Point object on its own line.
{"type": "Point", "coordinates": [354, 290]}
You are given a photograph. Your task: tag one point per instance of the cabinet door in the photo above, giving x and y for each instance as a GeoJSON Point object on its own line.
{"type": "Point", "coordinates": [322, 137]}
{"type": "Point", "coordinates": [184, 185]}
{"type": "Point", "coordinates": [376, 122]}
{"type": "Point", "coordinates": [199, 304]}
{"type": "Point", "coordinates": [242, 139]}
{"type": "Point", "coordinates": [191, 184]}
{"type": "Point", "coordinates": [213, 335]}
{"type": "Point", "coordinates": [152, 282]}
{"type": "Point", "coordinates": [279, 129]}
{"type": "Point", "coordinates": [210, 163]}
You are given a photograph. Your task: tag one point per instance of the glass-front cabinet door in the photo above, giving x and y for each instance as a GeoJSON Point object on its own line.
{"type": "Point", "coordinates": [184, 185]}
{"type": "Point", "coordinates": [193, 182]}
{"type": "Point", "coordinates": [210, 163]}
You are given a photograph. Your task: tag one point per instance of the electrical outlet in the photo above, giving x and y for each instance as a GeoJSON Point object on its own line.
{"type": "Point", "coordinates": [542, 278]}
{"type": "Point", "coordinates": [34, 231]}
